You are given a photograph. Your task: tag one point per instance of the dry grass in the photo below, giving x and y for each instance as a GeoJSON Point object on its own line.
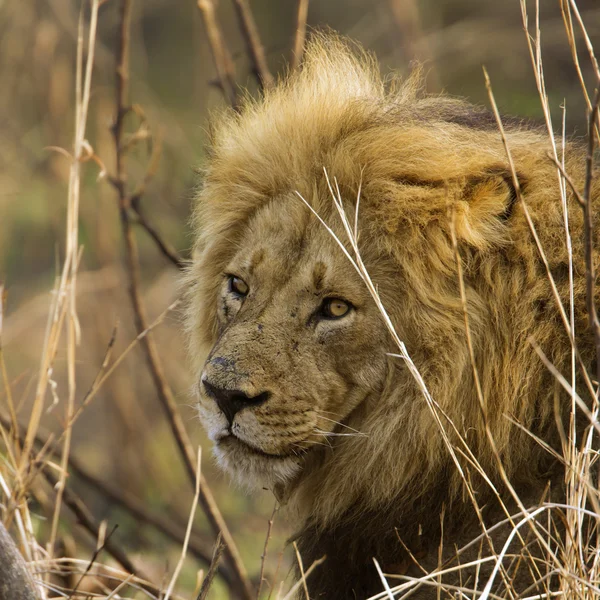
{"type": "Point", "coordinates": [45, 513]}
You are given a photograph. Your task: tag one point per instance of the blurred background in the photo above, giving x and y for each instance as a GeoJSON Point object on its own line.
{"type": "Point", "coordinates": [122, 436]}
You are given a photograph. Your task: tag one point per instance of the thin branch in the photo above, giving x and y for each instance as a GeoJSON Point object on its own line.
{"type": "Point", "coordinates": [214, 563]}
{"type": "Point", "coordinates": [300, 35]}
{"type": "Point", "coordinates": [142, 220]}
{"type": "Point", "coordinates": [85, 518]}
{"type": "Point", "coordinates": [97, 551]}
{"type": "Point", "coordinates": [221, 55]}
{"type": "Point", "coordinates": [263, 558]}
{"type": "Point", "coordinates": [165, 395]}
{"type": "Point", "coordinates": [254, 44]}
{"type": "Point", "coordinates": [167, 250]}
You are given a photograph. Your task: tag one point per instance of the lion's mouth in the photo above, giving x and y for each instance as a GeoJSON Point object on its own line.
{"type": "Point", "coordinates": [236, 442]}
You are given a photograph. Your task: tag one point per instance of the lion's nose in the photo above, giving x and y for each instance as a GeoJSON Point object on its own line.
{"type": "Point", "coordinates": [232, 401]}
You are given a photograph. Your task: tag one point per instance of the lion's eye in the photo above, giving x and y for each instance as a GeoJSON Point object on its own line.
{"type": "Point", "coordinates": [238, 286]}
{"type": "Point", "coordinates": [334, 308]}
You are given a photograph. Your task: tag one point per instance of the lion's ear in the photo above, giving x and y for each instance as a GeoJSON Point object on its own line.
{"type": "Point", "coordinates": [487, 202]}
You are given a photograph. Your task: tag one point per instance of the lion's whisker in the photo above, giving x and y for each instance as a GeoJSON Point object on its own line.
{"type": "Point", "coordinates": [321, 436]}
{"type": "Point", "coordinates": [341, 424]}
{"type": "Point", "coordinates": [334, 434]}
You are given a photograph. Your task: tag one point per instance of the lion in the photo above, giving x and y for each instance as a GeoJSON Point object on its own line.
{"type": "Point", "coordinates": [299, 383]}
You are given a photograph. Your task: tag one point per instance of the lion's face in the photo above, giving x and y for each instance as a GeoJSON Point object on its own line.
{"type": "Point", "coordinates": [300, 346]}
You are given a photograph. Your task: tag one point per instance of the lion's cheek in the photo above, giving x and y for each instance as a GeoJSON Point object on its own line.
{"type": "Point", "coordinates": [273, 436]}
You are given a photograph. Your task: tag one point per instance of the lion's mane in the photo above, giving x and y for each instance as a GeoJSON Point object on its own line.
{"type": "Point", "coordinates": [417, 159]}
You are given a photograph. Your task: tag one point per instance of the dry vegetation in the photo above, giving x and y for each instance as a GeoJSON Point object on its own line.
{"type": "Point", "coordinates": [104, 338]}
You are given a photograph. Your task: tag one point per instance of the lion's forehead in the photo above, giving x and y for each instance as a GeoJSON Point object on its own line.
{"type": "Point", "coordinates": [284, 244]}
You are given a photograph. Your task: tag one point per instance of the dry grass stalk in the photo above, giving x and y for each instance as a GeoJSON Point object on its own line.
{"type": "Point", "coordinates": [590, 270]}
{"type": "Point", "coordinates": [72, 257]}
{"type": "Point", "coordinates": [63, 312]}
{"type": "Point", "coordinates": [384, 583]}
{"type": "Point", "coordinates": [302, 581]}
{"type": "Point", "coordinates": [352, 235]}
{"type": "Point", "coordinates": [520, 199]}
{"type": "Point", "coordinates": [188, 531]}
{"type": "Point", "coordinates": [10, 405]}
{"type": "Point", "coordinates": [301, 568]}
{"type": "Point", "coordinates": [110, 574]}
{"type": "Point", "coordinates": [576, 469]}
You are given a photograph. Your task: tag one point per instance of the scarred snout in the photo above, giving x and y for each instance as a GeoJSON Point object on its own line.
{"type": "Point", "coordinates": [231, 401]}
{"type": "Point", "coordinates": [231, 389]}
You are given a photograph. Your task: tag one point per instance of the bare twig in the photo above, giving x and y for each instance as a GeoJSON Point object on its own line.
{"type": "Point", "coordinates": [92, 560]}
{"type": "Point", "coordinates": [214, 563]}
{"type": "Point", "coordinates": [135, 203]}
{"type": "Point", "coordinates": [221, 55]}
{"type": "Point", "coordinates": [165, 395]}
{"type": "Point", "coordinates": [263, 558]}
{"type": "Point", "coordinates": [169, 252]}
{"type": "Point", "coordinates": [85, 518]}
{"type": "Point", "coordinates": [254, 44]}
{"type": "Point", "coordinates": [300, 35]}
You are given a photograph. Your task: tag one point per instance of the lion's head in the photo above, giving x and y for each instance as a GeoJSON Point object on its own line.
{"type": "Point", "coordinates": [298, 384]}
{"type": "Point", "coordinates": [297, 349]}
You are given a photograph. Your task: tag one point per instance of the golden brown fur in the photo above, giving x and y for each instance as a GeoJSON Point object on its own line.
{"type": "Point", "coordinates": [415, 158]}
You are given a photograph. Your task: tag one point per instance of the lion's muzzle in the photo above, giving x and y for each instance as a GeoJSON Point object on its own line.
{"type": "Point", "coordinates": [231, 401]}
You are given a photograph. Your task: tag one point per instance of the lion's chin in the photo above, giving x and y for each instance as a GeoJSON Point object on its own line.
{"type": "Point", "coordinates": [252, 468]}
